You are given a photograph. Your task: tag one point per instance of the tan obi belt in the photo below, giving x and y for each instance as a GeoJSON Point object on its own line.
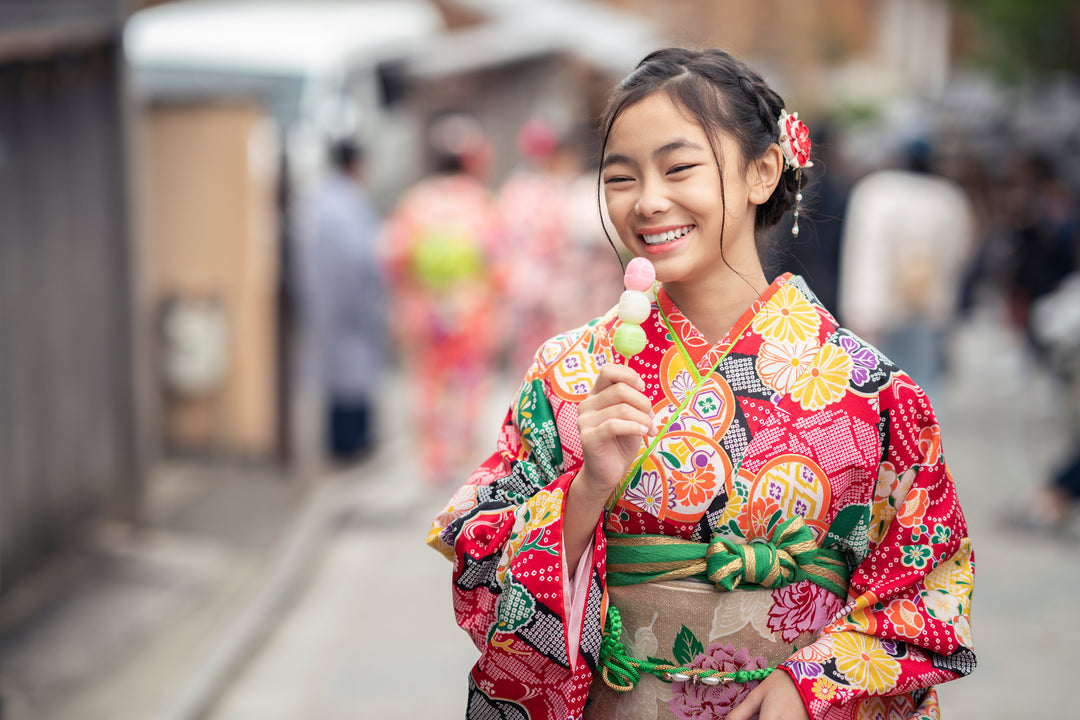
{"type": "Point", "coordinates": [689, 620]}
{"type": "Point", "coordinates": [694, 646]}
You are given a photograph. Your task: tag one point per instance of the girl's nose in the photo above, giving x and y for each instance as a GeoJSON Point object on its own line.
{"type": "Point", "coordinates": [651, 200]}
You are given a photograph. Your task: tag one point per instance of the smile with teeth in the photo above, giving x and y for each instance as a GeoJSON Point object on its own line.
{"type": "Point", "coordinates": [666, 237]}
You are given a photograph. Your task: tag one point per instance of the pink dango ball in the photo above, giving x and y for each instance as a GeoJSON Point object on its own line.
{"type": "Point", "coordinates": [640, 275]}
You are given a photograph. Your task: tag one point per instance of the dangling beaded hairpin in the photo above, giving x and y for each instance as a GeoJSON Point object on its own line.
{"type": "Point", "coordinates": [795, 144]}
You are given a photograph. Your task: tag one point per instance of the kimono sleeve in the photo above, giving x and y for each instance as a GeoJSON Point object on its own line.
{"type": "Point", "coordinates": [503, 532]}
{"type": "Point", "coordinates": [907, 623]}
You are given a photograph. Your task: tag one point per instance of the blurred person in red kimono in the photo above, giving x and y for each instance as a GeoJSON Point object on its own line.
{"type": "Point", "coordinates": [750, 516]}
{"type": "Point", "coordinates": [441, 245]}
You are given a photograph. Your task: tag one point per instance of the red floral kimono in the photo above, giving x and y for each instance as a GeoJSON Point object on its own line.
{"type": "Point", "coordinates": [788, 414]}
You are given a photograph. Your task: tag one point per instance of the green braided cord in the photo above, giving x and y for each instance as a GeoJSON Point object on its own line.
{"type": "Point", "coordinates": [789, 556]}
{"type": "Point", "coordinates": [621, 671]}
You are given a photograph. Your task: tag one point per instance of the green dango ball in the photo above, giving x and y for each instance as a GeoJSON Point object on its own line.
{"type": "Point", "coordinates": [629, 340]}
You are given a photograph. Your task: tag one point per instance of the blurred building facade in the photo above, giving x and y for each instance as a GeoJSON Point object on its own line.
{"type": "Point", "coordinates": [72, 420]}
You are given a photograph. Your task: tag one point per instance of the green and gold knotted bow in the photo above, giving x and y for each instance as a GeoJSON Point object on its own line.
{"type": "Point", "coordinates": [789, 556]}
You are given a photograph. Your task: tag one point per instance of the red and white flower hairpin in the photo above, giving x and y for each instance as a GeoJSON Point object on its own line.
{"type": "Point", "coordinates": [794, 140]}
{"type": "Point", "coordinates": [795, 144]}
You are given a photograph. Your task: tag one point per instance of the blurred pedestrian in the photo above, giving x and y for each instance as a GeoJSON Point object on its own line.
{"type": "Point", "coordinates": [1044, 241]}
{"type": "Point", "coordinates": [442, 244]}
{"type": "Point", "coordinates": [594, 282]}
{"type": "Point", "coordinates": [753, 497]}
{"type": "Point", "coordinates": [342, 295]}
{"type": "Point", "coordinates": [907, 238]}
{"type": "Point", "coordinates": [539, 258]}
{"type": "Point", "coordinates": [1045, 301]}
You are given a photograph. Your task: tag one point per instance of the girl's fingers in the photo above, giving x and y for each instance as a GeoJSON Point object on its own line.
{"type": "Point", "coordinates": [619, 395]}
{"type": "Point", "coordinates": [600, 416]}
{"type": "Point", "coordinates": [613, 428]}
{"type": "Point", "coordinates": [611, 373]}
{"type": "Point", "coordinates": [614, 387]}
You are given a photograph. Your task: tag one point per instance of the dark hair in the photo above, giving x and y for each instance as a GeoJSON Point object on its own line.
{"type": "Point", "coordinates": [345, 155]}
{"type": "Point", "coordinates": [722, 94]}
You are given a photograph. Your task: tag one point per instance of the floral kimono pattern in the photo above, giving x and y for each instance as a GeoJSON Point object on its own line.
{"type": "Point", "coordinates": [788, 414]}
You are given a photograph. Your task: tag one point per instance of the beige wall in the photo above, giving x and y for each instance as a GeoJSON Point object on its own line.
{"type": "Point", "coordinates": [210, 233]}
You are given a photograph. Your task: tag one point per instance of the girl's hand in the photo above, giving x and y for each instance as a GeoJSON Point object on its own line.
{"type": "Point", "coordinates": [775, 698]}
{"type": "Point", "coordinates": [613, 422]}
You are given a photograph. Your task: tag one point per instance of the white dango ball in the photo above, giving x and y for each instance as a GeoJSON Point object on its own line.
{"type": "Point", "coordinates": [634, 307]}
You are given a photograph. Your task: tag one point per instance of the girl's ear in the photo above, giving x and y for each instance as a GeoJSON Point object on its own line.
{"type": "Point", "coordinates": [763, 174]}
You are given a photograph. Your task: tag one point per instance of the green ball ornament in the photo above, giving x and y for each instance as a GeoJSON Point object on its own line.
{"type": "Point", "coordinates": [629, 340]}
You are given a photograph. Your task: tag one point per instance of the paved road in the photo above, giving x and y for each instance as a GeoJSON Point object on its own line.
{"type": "Point", "coordinates": [373, 636]}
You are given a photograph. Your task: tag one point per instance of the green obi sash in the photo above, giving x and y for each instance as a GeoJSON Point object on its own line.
{"type": "Point", "coordinates": [790, 556]}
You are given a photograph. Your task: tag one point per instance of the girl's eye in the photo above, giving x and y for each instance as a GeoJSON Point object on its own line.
{"type": "Point", "coordinates": [617, 179]}
{"type": "Point", "coordinates": [679, 168]}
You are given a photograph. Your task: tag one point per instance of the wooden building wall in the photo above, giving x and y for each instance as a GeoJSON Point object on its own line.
{"type": "Point", "coordinates": [211, 237]}
{"type": "Point", "coordinates": [67, 435]}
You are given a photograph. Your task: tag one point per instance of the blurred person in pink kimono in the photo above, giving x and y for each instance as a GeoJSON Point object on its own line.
{"type": "Point", "coordinates": [549, 210]}
{"type": "Point", "coordinates": [441, 243]}
{"type": "Point", "coordinates": [531, 203]}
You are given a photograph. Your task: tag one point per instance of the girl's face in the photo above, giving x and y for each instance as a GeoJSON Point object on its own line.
{"type": "Point", "coordinates": [664, 197]}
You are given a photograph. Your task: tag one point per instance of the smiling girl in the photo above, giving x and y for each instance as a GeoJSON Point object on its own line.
{"type": "Point", "coordinates": [750, 518]}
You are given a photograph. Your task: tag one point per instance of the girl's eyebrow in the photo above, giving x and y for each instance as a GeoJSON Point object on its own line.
{"type": "Point", "coordinates": [676, 144]}
{"type": "Point", "coordinates": [614, 159]}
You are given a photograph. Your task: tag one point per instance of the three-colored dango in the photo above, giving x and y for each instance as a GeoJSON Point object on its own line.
{"type": "Point", "coordinates": [634, 307]}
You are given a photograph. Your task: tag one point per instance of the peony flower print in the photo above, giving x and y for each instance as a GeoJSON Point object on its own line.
{"type": "Point", "coordinates": [802, 607]}
{"type": "Point", "coordinates": [914, 507]}
{"type": "Point", "coordinates": [905, 617]}
{"type": "Point", "coordinates": [704, 702]}
{"type": "Point", "coordinates": [930, 444]}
